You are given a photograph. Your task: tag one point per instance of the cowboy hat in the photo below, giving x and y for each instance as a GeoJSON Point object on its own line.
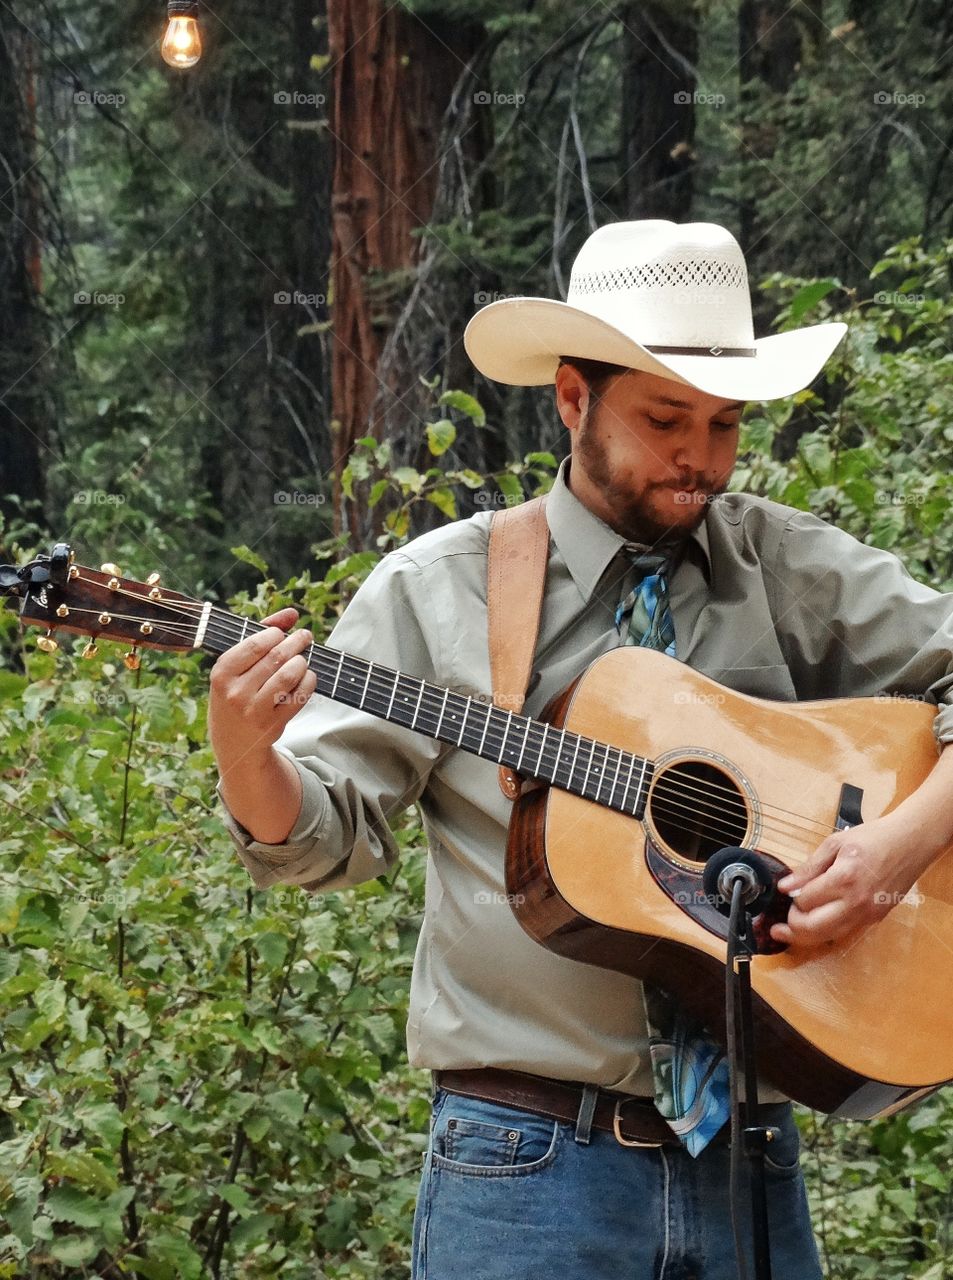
{"type": "Point", "coordinates": [668, 298]}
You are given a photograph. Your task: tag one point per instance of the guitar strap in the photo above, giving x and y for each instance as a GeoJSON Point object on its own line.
{"type": "Point", "coordinates": [515, 576]}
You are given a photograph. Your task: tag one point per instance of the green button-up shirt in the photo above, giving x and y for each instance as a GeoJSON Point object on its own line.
{"type": "Point", "coordinates": [767, 600]}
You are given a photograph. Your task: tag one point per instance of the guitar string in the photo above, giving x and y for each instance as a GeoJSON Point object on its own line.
{"type": "Point", "coordinates": [665, 796]}
{"type": "Point", "coordinates": [224, 620]}
{"type": "Point", "coordinates": [222, 630]}
{"type": "Point", "coordinates": [703, 794]}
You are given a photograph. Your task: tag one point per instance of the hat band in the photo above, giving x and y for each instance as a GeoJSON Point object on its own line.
{"type": "Point", "coordinates": [702, 351]}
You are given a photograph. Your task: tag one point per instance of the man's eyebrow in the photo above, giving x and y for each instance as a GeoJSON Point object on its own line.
{"type": "Point", "coordinates": [684, 404]}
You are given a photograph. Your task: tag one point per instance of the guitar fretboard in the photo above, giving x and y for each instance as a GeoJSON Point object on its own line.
{"type": "Point", "coordinates": [596, 770]}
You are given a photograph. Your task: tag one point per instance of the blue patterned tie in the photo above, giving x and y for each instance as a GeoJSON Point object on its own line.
{"type": "Point", "coordinates": [689, 1070]}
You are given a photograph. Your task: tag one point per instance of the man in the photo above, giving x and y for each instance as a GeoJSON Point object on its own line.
{"type": "Point", "coordinates": [764, 599]}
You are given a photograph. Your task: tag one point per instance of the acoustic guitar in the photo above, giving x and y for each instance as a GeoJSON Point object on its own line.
{"type": "Point", "coordinates": [635, 776]}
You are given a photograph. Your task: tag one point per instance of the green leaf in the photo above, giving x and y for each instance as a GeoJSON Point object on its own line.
{"type": "Point", "coordinates": [238, 1198]}
{"type": "Point", "coordinates": [50, 1000]}
{"type": "Point", "coordinates": [247, 556]}
{"type": "Point", "coordinates": [810, 296]}
{"type": "Point", "coordinates": [510, 486]}
{"type": "Point", "coordinates": [378, 490]}
{"type": "Point", "coordinates": [9, 908]}
{"type": "Point", "coordinates": [466, 404]}
{"type": "Point", "coordinates": [83, 1169]}
{"type": "Point", "coordinates": [73, 1251]}
{"type": "Point", "coordinates": [443, 499]}
{"type": "Point", "coordinates": [257, 1127]}
{"type": "Point", "coordinates": [103, 1120]}
{"type": "Point", "coordinates": [440, 436]}
{"type": "Point", "coordinates": [68, 1204]}
{"type": "Point", "coordinates": [409, 478]}
{"type": "Point", "coordinates": [288, 1104]}
{"type": "Point", "coordinates": [272, 947]}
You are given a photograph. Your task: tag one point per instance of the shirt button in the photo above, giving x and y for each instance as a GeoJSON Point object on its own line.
{"type": "Point", "coordinates": [512, 1136]}
{"type": "Point", "coordinates": [451, 1124]}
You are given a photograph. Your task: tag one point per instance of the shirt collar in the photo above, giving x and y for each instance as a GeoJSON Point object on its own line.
{"type": "Point", "coordinates": [586, 543]}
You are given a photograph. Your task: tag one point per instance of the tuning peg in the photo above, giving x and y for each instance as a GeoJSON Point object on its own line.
{"type": "Point", "coordinates": [112, 569]}
{"type": "Point", "coordinates": [90, 651]}
{"type": "Point", "coordinates": [131, 660]}
{"type": "Point", "coordinates": [152, 579]}
{"type": "Point", "coordinates": [47, 643]}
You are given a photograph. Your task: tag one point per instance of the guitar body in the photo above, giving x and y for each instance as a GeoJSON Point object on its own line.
{"type": "Point", "coordinates": [859, 1028]}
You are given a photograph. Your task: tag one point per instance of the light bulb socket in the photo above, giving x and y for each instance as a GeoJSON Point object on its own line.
{"type": "Point", "coordinates": [183, 9]}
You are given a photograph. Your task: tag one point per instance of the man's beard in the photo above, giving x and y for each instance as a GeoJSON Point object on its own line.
{"type": "Point", "coordinates": [630, 516]}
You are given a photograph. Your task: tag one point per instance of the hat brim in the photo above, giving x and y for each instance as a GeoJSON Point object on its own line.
{"type": "Point", "coordinates": [519, 341]}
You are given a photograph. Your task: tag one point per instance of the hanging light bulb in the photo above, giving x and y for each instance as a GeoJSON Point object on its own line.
{"type": "Point", "coordinates": [182, 45]}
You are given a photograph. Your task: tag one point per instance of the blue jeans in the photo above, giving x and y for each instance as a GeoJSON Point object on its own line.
{"type": "Point", "coordinates": [509, 1195]}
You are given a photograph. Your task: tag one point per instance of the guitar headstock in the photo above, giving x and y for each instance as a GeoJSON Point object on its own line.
{"type": "Point", "coordinates": [59, 595]}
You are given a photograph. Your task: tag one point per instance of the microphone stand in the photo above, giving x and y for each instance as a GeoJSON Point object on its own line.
{"type": "Point", "coordinates": [743, 883]}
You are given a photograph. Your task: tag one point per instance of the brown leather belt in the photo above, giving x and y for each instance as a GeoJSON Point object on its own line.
{"type": "Point", "coordinates": [634, 1121]}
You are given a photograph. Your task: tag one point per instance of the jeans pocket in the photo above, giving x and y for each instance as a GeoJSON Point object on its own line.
{"type": "Point", "coordinates": [477, 1138]}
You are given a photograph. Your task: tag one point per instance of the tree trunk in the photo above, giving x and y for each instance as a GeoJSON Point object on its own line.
{"type": "Point", "coordinates": [660, 53]}
{"type": "Point", "coordinates": [23, 414]}
{"type": "Point", "coordinates": [394, 74]}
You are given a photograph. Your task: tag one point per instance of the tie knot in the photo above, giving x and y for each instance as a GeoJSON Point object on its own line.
{"type": "Point", "coordinates": [645, 563]}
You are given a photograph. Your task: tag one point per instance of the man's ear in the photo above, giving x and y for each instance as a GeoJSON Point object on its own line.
{"type": "Point", "coordinates": [572, 396]}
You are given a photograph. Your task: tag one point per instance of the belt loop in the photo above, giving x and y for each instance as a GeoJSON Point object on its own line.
{"type": "Point", "coordinates": [587, 1109]}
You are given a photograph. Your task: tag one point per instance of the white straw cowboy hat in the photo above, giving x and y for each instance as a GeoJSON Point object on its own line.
{"type": "Point", "coordinates": [667, 298]}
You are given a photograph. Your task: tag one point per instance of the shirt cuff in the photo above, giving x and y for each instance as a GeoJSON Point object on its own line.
{"type": "Point", "coordinates": [943, 725]}
{"type": "Point", "coordinates": [270, 864]}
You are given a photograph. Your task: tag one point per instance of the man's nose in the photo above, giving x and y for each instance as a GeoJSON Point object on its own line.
{"type": "Point", "coordinates": [692, 453]}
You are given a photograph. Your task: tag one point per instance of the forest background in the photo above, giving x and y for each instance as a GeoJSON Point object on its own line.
{"type": "Point", "coordinates": [231, 313]}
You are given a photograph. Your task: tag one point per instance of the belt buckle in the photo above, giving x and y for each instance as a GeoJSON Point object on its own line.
{"type": "Point", "coordinates": [617, 1129]}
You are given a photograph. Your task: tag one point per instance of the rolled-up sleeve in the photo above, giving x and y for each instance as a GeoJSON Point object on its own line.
{"type": "Point", "coordinates": [852, 622]}
{"type": "Point", "coordinates": [357, 771]}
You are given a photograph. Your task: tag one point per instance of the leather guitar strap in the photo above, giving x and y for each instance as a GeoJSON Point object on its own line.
{"type": "Point", "coordinates": [516, 574]}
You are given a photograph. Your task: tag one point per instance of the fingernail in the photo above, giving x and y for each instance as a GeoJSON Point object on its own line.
{"type": "Point", "coordinates": [794, 893]}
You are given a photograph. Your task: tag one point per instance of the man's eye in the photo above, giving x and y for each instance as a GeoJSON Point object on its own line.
{"type": "Point", "coordinates": [660, 422]}
{"type": "Point", "coordinates": [725, 426]}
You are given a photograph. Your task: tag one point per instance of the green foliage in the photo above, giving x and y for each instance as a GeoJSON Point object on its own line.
{"type": "Point", "coordinates": [872, 448]}
{"type": "Point", "coordinates": [188, 1067]}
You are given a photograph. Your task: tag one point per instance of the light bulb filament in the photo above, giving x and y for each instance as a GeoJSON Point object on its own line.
{"type": "Point", "coordinates": [182, 45]}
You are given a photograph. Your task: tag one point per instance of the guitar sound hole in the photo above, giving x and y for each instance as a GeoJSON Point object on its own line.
{"type": "Point", "coordinates": [697, 809]}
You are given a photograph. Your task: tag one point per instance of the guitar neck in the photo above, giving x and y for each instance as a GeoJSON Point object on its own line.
{"type": "Point", "coordinates": [605, 774]}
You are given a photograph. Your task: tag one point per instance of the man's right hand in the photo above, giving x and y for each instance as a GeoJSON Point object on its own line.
{"type": "Point", "coordinates": [256, 688]}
